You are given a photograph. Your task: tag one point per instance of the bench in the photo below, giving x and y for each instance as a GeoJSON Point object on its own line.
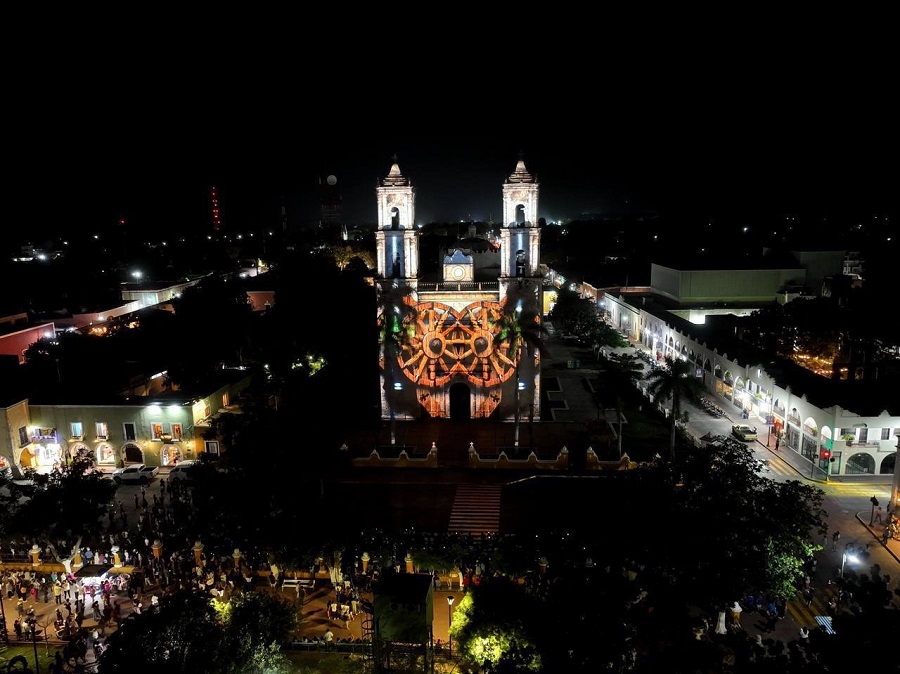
{"type": "Point", "coordinates": [297, 584]}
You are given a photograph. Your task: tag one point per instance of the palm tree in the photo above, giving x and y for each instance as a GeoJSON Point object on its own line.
{"type": "Point", "coordinates": [675, 381]}
{"type": "Point", "coordinates": [624, 370]}
{"type": "Point", "coordinates": [396, 326]}
{"type": "Point", "coordinates": [520, 326]}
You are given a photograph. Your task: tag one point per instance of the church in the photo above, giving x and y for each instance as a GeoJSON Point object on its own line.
{"type": "Point", "coordinates": [464, 344]}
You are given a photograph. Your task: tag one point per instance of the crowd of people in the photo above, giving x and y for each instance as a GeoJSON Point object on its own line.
{"type": "Point", "coordinates": [155, 552]}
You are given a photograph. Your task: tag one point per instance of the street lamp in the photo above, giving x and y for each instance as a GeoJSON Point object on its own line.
{"type": "Point", "coordinates": [450, 600]}
{"type": "Point", "coordinates": [4, 635]}
{"type": "Point", "coordinates": [37, 666]}
{"type": "Point", "coordinates": [848, 555]}
{"type": "Point", "coordinates": [895, 485]}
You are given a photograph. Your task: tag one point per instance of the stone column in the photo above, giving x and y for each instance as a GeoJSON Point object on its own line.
{"type": "Point", "coordinates": [365, 562]}
{"type": "Point", "coordinates": [77, 562]}
{"type": "Point", "coordinates": [198, 550]}
{"type": "Point", "coordinates": [236, 556]}
{"type": "Point", "coordinates": [542, 563]}
{"type": "Point", "coordinates": [35, 555]}
{"type": "Point", "coordinates": [409, 562]}
{"type": "Point", "coordinates": [117, 561]}
{"type": "Point", "coordinates": [157, 549]}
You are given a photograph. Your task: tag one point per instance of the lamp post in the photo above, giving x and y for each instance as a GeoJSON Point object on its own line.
{"type": "Point", "coordinates": [37, 665]}
{"type": "Point", "coordinates": [4, 635]}
{"type": "Point", "coordinates": [895, 485]}
{"type": "Point", "coordinates": [450, 600]}
{"type": "Point", "coordinates": [848, 555]}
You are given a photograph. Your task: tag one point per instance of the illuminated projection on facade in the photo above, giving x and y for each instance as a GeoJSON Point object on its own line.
{"type": "Point", "coordinates": [460, 346]}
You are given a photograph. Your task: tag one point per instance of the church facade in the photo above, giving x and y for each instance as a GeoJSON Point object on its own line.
{"type": "Point", "coordinates": [464, 344]}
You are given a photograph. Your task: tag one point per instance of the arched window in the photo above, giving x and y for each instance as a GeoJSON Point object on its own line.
{"type": "Point", "coordinates": [860, 464]}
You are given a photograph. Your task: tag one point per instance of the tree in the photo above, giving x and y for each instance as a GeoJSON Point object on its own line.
{"type": "Point", "coordinates": [396, 320]}
{"type": "Point", "coordinates": [72, 498]}
{"type": "Point", "coordinates": [258, 623]}
{"type": "Point", "coordinates": [756, 532]}
{"type": "Point", "coordinates": [184, 635]}
{"type": "Point", "coordinates": [192, 633]}
{"type": "Point", "coordinates": [624, 370]}
{"type": "Point", "coordinates": [674, 381]}
{"type": "Point", "coordinates": [213, 306]}
{"type": "Point", "coordinates": [494, 628]}
{"type": "Point", "coordinates": [520, 327]}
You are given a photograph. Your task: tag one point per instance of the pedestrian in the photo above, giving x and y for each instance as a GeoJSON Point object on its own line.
{"type": "Point", "coordinates": [736, 615]}
{"type": "Point", "coordinates": [777, 442]}
{"type": "Point", "coordinates": [835, 537]}
{"type": "Point", "coordinates": [136, 502]}
{"type": "Point", "coordinates": [885, 535]}
{"type": "Point", "coordinates": [878, 515]}
{"type": "Point", "coordinates": [808, 596]}
{"type": "Point", "coordinates": [804, 634]}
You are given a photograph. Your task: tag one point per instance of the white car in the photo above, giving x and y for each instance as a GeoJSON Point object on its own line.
{"type": "Point", "coordinates": [743, 432]}
{"type": "Point", "coordinates": [183, 469]}
{"type": "Point", "coordinates": [136, 474]}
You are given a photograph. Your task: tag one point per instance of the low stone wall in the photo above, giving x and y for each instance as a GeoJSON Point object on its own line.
{"type": "Point", "coordinates": [561, 462]}
{"type": "Point", "coordinates": [403, 460]}
{"type": "Point", "coordinates": [591, 462]}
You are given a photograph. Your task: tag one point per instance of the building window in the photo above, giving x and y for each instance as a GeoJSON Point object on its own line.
{"type": "Point", "coordinates": [77, 429]}
{"type": "Point", "coordinates": [885, 433]}
{"type": "Point", "coordinates": [212, 447]}
{"type": "Point", "coordinates": [102, 430]}
{"type": "Point", "coordinates": [23, 436]}
{"type": "Point", "coordinates": [130, 431]}
{"type": "Point", "coordinates": [224, 400]}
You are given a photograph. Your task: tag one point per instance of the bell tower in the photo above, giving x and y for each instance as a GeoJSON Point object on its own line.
{"type": "Point", "coordinates": [397, 239]}
{"type": "Point", "coordinates": [520, 236]}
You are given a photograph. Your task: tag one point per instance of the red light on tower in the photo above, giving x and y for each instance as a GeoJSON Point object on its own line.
{"type": "Point", "coordinates": [214, 203]}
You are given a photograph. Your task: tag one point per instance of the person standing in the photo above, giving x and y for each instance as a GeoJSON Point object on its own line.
{"type": "Point", "coordinates": [835, 537]}
{"type": "Point", "coordinates": [736, 611]}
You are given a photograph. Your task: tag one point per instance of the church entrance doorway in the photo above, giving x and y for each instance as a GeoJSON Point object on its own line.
{"type": "Point", "coordinates": [460, 402]}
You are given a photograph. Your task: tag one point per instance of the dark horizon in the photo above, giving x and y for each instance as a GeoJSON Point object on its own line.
{"type": "Point", "coordinates": [155, 186]}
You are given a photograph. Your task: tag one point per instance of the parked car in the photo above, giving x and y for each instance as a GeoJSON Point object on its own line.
{"type": "Point", "coordinates": [183, 470]}
{"type": "Point", "coordinates": [137, 473]}
{"type": "Point", "coordinates": [743, 432]}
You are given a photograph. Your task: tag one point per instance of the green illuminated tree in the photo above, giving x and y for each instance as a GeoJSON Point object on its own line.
{"type": "Point", "coordinates": [492, 629]}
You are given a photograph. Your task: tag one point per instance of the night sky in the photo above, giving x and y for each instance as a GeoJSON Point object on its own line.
{"type": "Point", "coordinates": [159, 181]}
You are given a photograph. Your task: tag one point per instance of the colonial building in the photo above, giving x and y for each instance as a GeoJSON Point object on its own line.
{"type": "Point", "coordinates": [455, 345]}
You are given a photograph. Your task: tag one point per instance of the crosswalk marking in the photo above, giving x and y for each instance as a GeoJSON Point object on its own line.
{"type": "Point", "coordinates": [825, 622]}
{"type": "Point", "coordinates": [808, 616]}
